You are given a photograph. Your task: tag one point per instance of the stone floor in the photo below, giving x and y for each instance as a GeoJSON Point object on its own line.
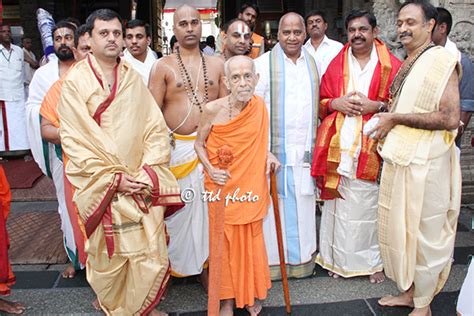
{"type": "Point", "coordinates": [43, 290]}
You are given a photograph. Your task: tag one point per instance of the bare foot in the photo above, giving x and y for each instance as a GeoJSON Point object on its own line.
{"type": "Point", "coordinates": [334, 275]}
{"type": "Point", "coordinates": [404, 299]}
{"type": "Point", "coordinates": [69, 272]}
{"type": "Point", "coordinates": [204, 279]}
{"type": "Point", "coordinates": [96, 304]}
{"type": "Point", "coordinates": [227, 308]}
{"type": "Point", "coordinates": [11, 307]}
{"type": "Point", "coordinates": [377, 277]}
{"type": "Point", "coordinates": [424, 311]}
{"type": "Point", "coordinates": [255, 309]}
{"type": "Point", "coordinates": [155, 312]}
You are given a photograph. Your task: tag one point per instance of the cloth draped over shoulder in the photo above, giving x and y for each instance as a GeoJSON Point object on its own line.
{"type": "Point", "coordinates": [420, 190]}
{"type": "Point", "coordinates": [277, 111]}
{"type": "Point", "coordinates": [7, 278]}
{"type": "Point", "coordinates": [106, 134]}
{"type": "Point", "coordinates": [334, 84]}
{"type": "Point", "coordinates": [243, 260]}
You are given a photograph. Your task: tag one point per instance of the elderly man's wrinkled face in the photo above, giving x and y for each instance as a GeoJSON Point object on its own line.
{"type": "Point", "coordinates": [237, 38]}
{"type": "Point", "coordinates": [292, 34]}
{"type": "Point", "coordinates": [241, 78]}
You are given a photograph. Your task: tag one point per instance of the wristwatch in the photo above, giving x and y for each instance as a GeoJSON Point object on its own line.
{"type": "Point", "coordinates": [381, 106]}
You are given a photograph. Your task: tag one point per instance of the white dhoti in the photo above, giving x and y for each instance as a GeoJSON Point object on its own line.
{"type": "Point", "coordinates": [188, 228]}
{"type": "Point", "coordinates": [298, 221]}
{"type": "Point", "coordinates": [13, 126]}
{"type": "Point", "coordinates": [348, 243]}
{"type": "Point", "coordinates": [48, 156]}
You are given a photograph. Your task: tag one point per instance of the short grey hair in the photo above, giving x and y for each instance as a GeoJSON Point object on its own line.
{"type": "Point", "coordinates": [289, 14]}
{"type": "Point", "coordinates": [234, 58]}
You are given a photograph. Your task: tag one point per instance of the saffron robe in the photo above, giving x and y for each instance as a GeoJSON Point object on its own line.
{"type": "Point", "coordinates": [7, 278]}
{"type": "Point", "coordinates": [244, 272]}
{"type": "Point", "coordinates": [420, 189]}
{"type": "Point", "coordinates": [108, 133]}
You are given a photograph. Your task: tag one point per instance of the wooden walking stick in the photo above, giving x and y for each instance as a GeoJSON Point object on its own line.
{"type": "Point", "coordinates": [276, 211]}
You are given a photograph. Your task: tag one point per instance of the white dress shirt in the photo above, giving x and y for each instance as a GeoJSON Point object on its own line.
{"type": "Point", "coordinates": [11, 73]}
{"type": "Point", "coordinates": [351, 130]}
{"type": "Point", "coordinates": [297, 103]}
{"type": "Point", "coordinates": [327, 50]}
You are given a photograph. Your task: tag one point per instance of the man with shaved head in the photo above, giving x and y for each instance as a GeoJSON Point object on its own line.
{"type": "Point", "coordinates": [237, 37]}
{"type": "Point", "coordinates": [182, 84]}
{"type": "Point", "coordinates": [239, 273]}
{"type": "Point", "coordinates": [290, 85]}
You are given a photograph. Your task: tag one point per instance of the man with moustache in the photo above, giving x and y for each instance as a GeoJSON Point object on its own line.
{"type": "Point", "coordinates": [46, 155]}
{"type": "Point", "coordinates": [182, 84]}
{"type": "Point", "coordinates": [289, 83]}
{"type": "Point", "coordinates": [138, 52]}
{"type": "Point", "coordinates": [346, 164]}
{"type": "Point", "coordinates": [12, 95]}
{"type": "Point", "coordinates": [115, 138]}
{"type": "Point", "coordinates": [73, 237]}
{"type": "Point", "coordinates": [319, 45]}
{"type": "Point", "coordinates": [237, 36]}
{"type": "Point", "coordinates": [420, 189]}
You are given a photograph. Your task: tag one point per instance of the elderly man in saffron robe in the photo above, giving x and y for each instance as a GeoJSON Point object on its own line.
{"type": "Point", "coordinates": [232, 144]}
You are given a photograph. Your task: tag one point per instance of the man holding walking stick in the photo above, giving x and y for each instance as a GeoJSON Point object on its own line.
{"type": "Point", "coordinates": [232, 144]}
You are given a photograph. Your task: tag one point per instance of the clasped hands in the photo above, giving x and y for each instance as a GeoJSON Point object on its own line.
{"type": "Point", "coordinates": [129, 185]}
{"type": "Point", "coordinates": [355, 103]}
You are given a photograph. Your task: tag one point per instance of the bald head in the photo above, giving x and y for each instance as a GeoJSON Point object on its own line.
{"type": "Point", "coordinates": [238, 61]}
{"type": "Point", "coordinates": [240, 77]}
{"type": "Point", "coordinates": [187, 26]}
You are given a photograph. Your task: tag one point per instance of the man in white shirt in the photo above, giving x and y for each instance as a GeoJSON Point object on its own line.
{"type": "Point", "coordinates": [138, 52]}
{"type": "Point", "coordinates": [319, 45]}
{"type": "Point", "coordinates": [31, 63]}
{"type": "Point", "coordinates": [346, 164]}
{"type": "Point", "coordinates": [12, 94]}
{"type": "Point", "coordinates": [289, 84]}
{"type": "Point", "coordinates": [48, 156]}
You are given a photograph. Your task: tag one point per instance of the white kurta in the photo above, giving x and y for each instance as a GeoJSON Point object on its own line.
{"type": "Point", "coordinates": [327, 50]}
{"type": "Point", "coordinates": [43, 79]}
{"type": "Point", "coordinates": [348, 237]}
{"type": "Point", "coordinates": [12, 100]}
{"type": "Point", "coordinates": [144, 68]}
{"type": "Point", "coordinates": [297, 208]}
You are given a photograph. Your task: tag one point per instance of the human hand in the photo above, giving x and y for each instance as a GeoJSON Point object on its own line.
{"type": "Point", "coordinates": [348, 104]}
{"type": "Point", "coordinates": [368, 106]}
{"type": "Point", "coordinates": [384, 125]}
{"type": "Point", "coordinates": [272, 163]}
{"type": "Point", "coordinates": [129, 185]}
{"type": "Point", "coordinates": [219, 176]}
